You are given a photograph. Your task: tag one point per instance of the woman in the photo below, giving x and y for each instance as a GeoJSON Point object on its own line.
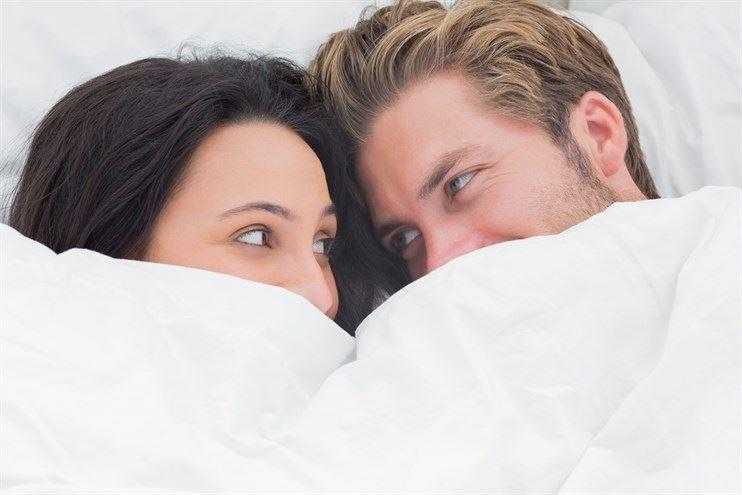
{"type": "Point", "coordinates": [219, 164]}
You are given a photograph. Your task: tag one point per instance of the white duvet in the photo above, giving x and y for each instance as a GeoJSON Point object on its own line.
{"type": "Point", "coordinates": [602, 360]}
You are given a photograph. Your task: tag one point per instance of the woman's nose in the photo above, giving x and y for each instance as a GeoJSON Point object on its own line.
{"type": "Point", "coordinates": [309, 280]}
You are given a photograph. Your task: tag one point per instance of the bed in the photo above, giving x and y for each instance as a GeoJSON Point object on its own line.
{"type": "Point", "coordinates": [604, 360]}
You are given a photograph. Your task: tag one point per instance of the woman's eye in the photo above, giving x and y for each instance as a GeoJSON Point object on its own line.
{"type": "Point", "coordinates": [255, 237]}
{"type": "Point", "coordinates": [458, 183]}
{"type": "Point", "coordinates": [400, 240]}
{"type": "Point", "coordinates": [323, 246]}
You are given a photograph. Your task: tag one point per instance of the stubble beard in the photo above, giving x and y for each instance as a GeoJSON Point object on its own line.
{"type": "Point", "coordinates": [579, 196]}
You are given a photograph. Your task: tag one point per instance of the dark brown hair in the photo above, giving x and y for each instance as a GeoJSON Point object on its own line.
{"type": "Point", "coordinates": [106, 158]}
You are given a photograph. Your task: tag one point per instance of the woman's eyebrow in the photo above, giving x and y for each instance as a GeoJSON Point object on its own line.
{"type": "Point", "coordinates": [329, 211]}
{"type": "Point", "coordinates": [261, 206]}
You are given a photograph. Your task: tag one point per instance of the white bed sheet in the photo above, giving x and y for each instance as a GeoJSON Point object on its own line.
{"type": "Point", "coordinates": [602, 360]}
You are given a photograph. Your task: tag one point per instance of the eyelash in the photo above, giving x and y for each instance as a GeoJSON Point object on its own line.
{"type": "Point", "coordinates": [266, 231]}
{"type": "Point", "coordinates": [257, 228]}
{"type": "Point", "coordinates": [447, 186]}
{"type": "Point", "coordinates": [447, 190]}
{"type": "Point", "coordinates": [328, 250]}
{"type": "Point", "coordinates": [393, 243]}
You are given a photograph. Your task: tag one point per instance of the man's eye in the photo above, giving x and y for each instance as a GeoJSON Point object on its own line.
{"type": "Point", "coordinates": [323, 246]}
{"type": "Point", "coordinates": [459, 182]}
{"type": "Point", "coordinates": [254, 237]}
{"type": "Point", "coordinates": [401, 239]}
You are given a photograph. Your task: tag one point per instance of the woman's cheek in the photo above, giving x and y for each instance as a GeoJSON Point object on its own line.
{"type": "Point", "coordinates": [330, 281]}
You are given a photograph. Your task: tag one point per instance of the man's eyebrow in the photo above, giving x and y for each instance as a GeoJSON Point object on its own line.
{"type": "Point", "coordinates": [443, 164]}
{"type": "Point", "coordinates": [262, 206]}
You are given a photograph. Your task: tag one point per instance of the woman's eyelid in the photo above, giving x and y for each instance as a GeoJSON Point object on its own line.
{"type": "Point", "coordinates": [252, 228]}
{"type": "Point", "coordinates": [324, 233]}
{"type": "Point", "coordinates": [266, 235]}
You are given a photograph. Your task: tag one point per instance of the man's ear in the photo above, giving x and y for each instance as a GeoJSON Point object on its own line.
{"type": "Point", "coordinates": [597, 124]}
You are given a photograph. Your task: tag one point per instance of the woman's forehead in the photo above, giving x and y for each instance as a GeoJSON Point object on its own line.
{"type": "Point", "coordinates": [255, 162]}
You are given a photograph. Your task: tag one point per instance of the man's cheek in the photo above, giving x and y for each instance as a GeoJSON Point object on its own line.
{"type": "Point", "coordinates": [504, 218]}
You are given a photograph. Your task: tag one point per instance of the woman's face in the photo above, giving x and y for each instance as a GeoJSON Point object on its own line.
{"type": "Point", "coordinates": [253, 203]}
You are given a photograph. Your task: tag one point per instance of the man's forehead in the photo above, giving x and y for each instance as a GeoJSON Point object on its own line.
{"type": "Point", "coordinates": [425, 106]}
{"type": "Point", "coordinates": [384, 177]}
{"type": "Point", "coordinates": [406, 137]}
{"type": "Point", "coordinates": [443, 110]}
{"type": "Point", "coordinates": [438, 117]}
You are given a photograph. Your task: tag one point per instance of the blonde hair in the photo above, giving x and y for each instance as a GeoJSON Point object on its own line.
{"type": "Point", "coordinates": [527, 61]}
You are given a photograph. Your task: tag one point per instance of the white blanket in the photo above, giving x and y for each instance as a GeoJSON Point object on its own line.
{"type": "Point", "coordinates": [602, 360]}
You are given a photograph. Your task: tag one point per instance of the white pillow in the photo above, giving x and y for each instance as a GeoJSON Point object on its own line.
{"type": "Point", "coordinates": [50, 48]}
{"type": "Point", "coordinates": [596, 6]}
{"type": "Point", "coordinates": [681, 66]}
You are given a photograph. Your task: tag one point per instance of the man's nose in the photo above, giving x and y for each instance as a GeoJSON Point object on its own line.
{"type": "Point", "coordinates": [442, 248]}
{"type": "Point", "coordinates": [308, 280]}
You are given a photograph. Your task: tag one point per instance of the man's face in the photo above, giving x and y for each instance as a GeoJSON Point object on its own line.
{"type": "Point", "coordinates": [444, 176]}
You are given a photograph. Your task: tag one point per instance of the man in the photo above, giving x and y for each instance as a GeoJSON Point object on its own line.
{"type": "Point", "coordinates": [488, 122]}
